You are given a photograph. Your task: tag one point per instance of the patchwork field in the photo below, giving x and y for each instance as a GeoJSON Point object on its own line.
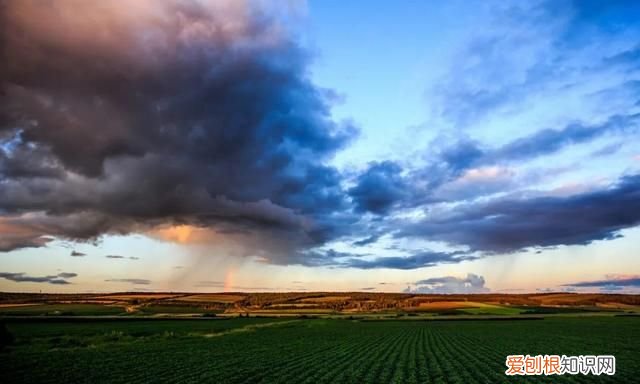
{"type": "Point", "coordinates": [62, 310]}
{"type": "Point", "coordinates": [268, 350]}
{"type": "Point", "coordinates": [314, 303]}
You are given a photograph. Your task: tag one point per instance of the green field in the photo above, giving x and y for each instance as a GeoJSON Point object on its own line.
{"type": "Point", "coordinates": [174, 309]}
{"type": "Point", "coordinates": [252, 350]}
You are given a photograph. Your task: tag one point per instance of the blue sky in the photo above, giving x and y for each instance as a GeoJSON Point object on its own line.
{"type": "Point", "coordinates": [322, 146]}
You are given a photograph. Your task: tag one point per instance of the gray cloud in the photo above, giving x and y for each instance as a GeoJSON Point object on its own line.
{"type": "Point", "coordinates": [210, 104]}
{"type": "Point", "coordinates": [77, 254]}
{"type": "Point", "coordinates": [612, 283]}
{"type": "Point", "coordinates": [366, 241]}
{"type": "Point", "coordinates": [378, 188]}
{"type": "Point", "coordinates": [453, 159]}
{"type": "Point", "coordinates": [417, 260]}
{"type": "Point", "coordinates": [450, 284]}
{"type": "Point", "coordinates": [385, 185]}
{"type": "Point", "coordinates": [59, 279]}
{"type": "Point", "coordinates": [549, 141]}
{"type": "Point", "coordinates": [67, 275]}
{"type": "Point", "coordinates": [507, 224]}
{"type": "Point", "coordinates": [14, 237]}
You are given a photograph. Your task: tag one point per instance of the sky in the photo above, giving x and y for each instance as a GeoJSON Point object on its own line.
{"type": "Point", "coordinates": [427, 147]}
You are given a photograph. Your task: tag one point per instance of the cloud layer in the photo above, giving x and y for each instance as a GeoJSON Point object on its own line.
{"type": "Point", "coordinates": [611, 283]}
{"type": "Point", "coordinates": [507, 224]}
{"type": "Point", "coordinates": [182, 112]}
{"type": "Point", "coordinates": [59, 279]}
{"type": "Point", "coordinates": [197, 122]}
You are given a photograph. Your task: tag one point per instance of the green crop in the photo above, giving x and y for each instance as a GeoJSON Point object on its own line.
{"type": "Point", "coordinates": [267, 350]}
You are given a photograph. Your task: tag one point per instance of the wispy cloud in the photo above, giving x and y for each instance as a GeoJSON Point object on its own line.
{"type": "Point", "coordinates": [417, 260]}
{"type": "Point", "coordinates": [59, 279]}
{"type": "Point", "coordinates": [122, 257]}
{"type": "Point", "coordinates": [611, 283]}
{"type": "Point", "coordinates": [130, 281]}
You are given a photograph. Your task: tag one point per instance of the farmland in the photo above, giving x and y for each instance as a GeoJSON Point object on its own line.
{"type": "Point", "coordinates": [311, 337]}
{"type": "Point", "coordinates": [317, 350]}
{"type": "Point", "coordinates": [314, 304]}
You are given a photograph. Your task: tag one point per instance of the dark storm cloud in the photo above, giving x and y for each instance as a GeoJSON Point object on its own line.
{"type": "Point", "coordinates": [117, 119]}
{"type": "Point", "coordinates": [9, 243]}
{"type": "Point", "coordinates": [130, 281]}
{"type": "Point", "coordinates": [59, 279]}
{"type": "Point", "coordinates": [508, 225]}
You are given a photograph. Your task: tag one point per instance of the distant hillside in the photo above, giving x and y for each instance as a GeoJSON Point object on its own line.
{"type": "Point", "coordinates": [322, 302]}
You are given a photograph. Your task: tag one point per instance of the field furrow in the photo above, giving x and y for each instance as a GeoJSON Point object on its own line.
{"type": "Point", "coordinates": [308, 351]}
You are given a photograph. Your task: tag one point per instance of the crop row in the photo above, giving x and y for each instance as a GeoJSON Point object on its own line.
{"type": "Point", "coordinates": [315, 351]}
